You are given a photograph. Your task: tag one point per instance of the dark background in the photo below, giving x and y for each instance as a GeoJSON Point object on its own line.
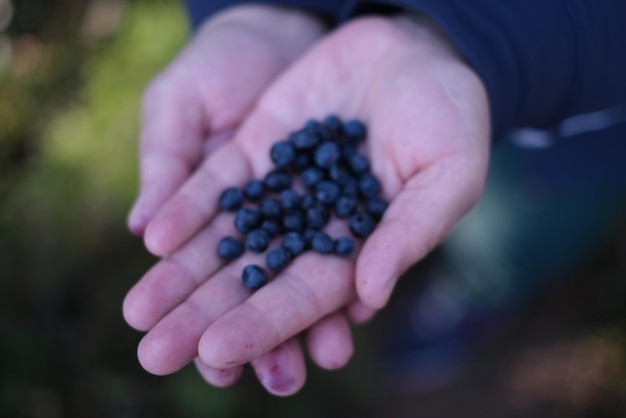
{"type": "Point", "coordinates": [71, 76]}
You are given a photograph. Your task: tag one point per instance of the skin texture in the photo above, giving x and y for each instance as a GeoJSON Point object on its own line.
{"type": "Point", "coordinates": [428, 143]}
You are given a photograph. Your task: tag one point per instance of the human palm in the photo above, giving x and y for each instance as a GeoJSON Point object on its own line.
{"type": "Point", "coordinates": [428, 143]}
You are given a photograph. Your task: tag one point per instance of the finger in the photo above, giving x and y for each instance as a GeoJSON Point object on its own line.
{"type": "Point", "coordinates": [216, 377]}
{"type": "Point", "coordinates": [329, 342]}
{"type": "Point", "coordinates": [282, 371]}
{"type": "Point", "coordinates": [358, 312]}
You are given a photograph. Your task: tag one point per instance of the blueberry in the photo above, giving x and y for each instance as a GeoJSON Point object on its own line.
{"type": "Point", "coordinates": [229, 248]}
{"type": "Point", "coordinates": [293, 220]}
{"type": "Point", "coordinates": [349, 187]}
{"type": "Point", "coordinates": [246, 220]}
{"type": "Point", "coordinates": [294, 242]}
{"type": "Point", "coordinates": [302, 162]}
{"type": "Point", "coordinates": [307, 201]}
{"type": "Point", "coordinates": [376, 207]}
{"type": "Point", "coordinates": [277, 180]}
{"type": "Point", "coordinates": [277, 259]}
{"type": "Point", "coordinates": [317, 216]}
{"type": "Point", "coordinates": [358, 163]}
{"type": "Point", "coordinates": [344, 246]}
{"type": "Point", "coordinates": [326, 154]}
{"type": "Point", "coordinates": [290, 199]}
{"type": "Point", "coordinates": [311, 176]}
{"type": "Point", "coordinates": [337, 172]}
{"type": "Point", "coordinates": [345, 206]}
{"type": "Point", "coordinates": [354, 131]}
{"type": "Point", "coordinates": [369, 186]}
{"type": "Point", "coordinates": [254, 277]}
{"type": "Point", "coordinates": [272, 226]}
{"type": "Point", "coordinates": [327, 192]}
{"type": "Point", "coordinates": [304, 139]}
{"type": "Point", "coordinates": [254, 190]}
{"type": "Point", "coordinates": [335, 125]}
{"type": "Point", "coordinates": [308, 236]}
{"type": "Point", "coordinates": [361, 224]}
{"type": "Point", "coordinates": [270, 208]}
{"type": "Point", "coordinates": [257, 240]}
{"type": "Point", "coordinates": [282, 153]}
{"type": "Point", "coordinates": [231, 199]}
{"type": "Point", "coordinates": [322, 243]}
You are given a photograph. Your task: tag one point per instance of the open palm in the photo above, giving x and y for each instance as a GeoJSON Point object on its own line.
{"type": "Point", "coordinates": [428, 144]}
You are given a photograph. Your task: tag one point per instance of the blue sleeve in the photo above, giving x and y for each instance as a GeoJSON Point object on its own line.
{"type": "Point", "coordinates": [540, 60]}
{"type": "Point", "coordinates": [200, 9]}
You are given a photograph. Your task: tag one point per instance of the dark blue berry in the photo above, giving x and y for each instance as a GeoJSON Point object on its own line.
{"type": "Point", "coordinates": [257, 240]}
{"type": "Point", "coordinates": [272, 226]}
{"type": "Point", "coordinates": [345, 206]}
{"type": "Point", "coordinates": [229, 248]}
{"type": "Point", "coordinates": [231, 199]}
{"type": "Point", "coordinates": [282, 153]}
{"type": "Point", "coordinates": [277, 259]}
{"type": "Point", "coordinates": [308, 236]}
{"type": "Point", "coordinates": [326, 154]}
{"type": "Point", "coordinates": [317, 216]}
{"type": "Point", "coordinates": [307, 201]}
{"type": "Point", "coordinates": [293, 220]}
{"type": "Point", "coordinates": [344, 246]}
{"type": "Point", "coordinates": [327, 192]}
{"type": "Point", "coordinates": [349, 187]}
{"type": "Point", "coordinates": [246, 220]}
{"type": "Point", "coordinates": [358, 163]}
{"type": "Point", "coordinates": [254, 190]}
{"type": "Point", "coordinates": [277, 180]}
{"type": "Point", "coordinates": [369, 186]}
{"type": "Point", "coordinates": [290, 199]}
{"type": "Point", "coordinates": [304, 139]}
{"type": "Point", "coordinates": [361, 224]}
{"type": "Point", "coordinates": [320, 130]}
{"type": "Point", "coordinates": [354, 131]}
{"type": "Point", "coordinates": [294, 242]}
{"type": "Point", "coordinates": [254, 277]}
{"type": "Point", "coordinates": [376, 207]}
{"type": "Point", "coordinates": [335, 125]}
{"type": "Point", "coordinates": [337, 172]}
{"type": "Point", "coordinates": [311, 176]}
{"type": "Point", "coordinates": [322, 243]}
{"type": "Point", "coordinates": [302, 162]}
{"type": "Point", "coordinates": [270, 208]}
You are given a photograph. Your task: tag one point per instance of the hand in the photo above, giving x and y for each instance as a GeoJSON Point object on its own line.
{"type": "Point", "coordinates": [428, 143]}
{"type": "Point", "coordinates": [207, 91]}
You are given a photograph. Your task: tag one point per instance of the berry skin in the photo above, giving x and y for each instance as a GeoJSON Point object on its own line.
{"type": "Point", "coordinates": [345, 206]}
{"type": "Point", "coordinates": [254, 190]}
{"type": "Point", "coordinates": [322, 243]}
{"type": "Point", "coordinates": [294, 242]}
{"type": "Point", "coordinates": [344, 246]}
{"type": "Point", "coordinates": [254, 277]}
{"type": "Point", "coordinates": [361, 224]}
{"type": "Point", "coordinates": [282, 153]}
{"type": "Point", "coordinates": [302, 162]}
{"type": "Point", "coordinates": [369, 186]}
{"type": "Point", "coordinates": [293, 220]}
{"type": "Point", "coordinates": [311, 176]}
{"type": "Point", "coordinates": [270, 208]}
{"type": "Point", "coordinates": [272, 226]}
{"type": "Point", "coordinates": [326, 154]}
{"type": "Point", "coordinates": [358, 163]}
{"type": "Point", "coordinates": [308, 236]}
{"type": "Point", "coordinates": [335, 125]}
{"type": "Point", "coordinates": [327, 192]}
{"type": "Point", "coordinates": [304, 139]}
{"type": "Point", "coordinates": [277, 180]}
{"type": "Point", "coordinates": [317, 216]}
{"type": "Point", "coordinates": [290, 199]}
{"type": "Point", "coordinates": [277, 259]}
{"type": "Point", "coordinates": [231, 199]}
{"type": "Point", "coordinates": [246, 220]}
{"type": "Point", "coordinates": [337, 172]}
{"type": "Point", "coordinates": [307, 201]}
{"type": "Point", "coordinates": [376, 207]}
{"type": "Point", "coordinates": [349, 187]}
{"type": "Point", "coordinates": [257, 240]}
{"type": "Point", "coordinates": [229, 248]}
{"type": "Point", "coordinates": [354, 131]}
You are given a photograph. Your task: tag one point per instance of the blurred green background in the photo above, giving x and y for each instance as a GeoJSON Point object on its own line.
{"type": "Point", "coordinates": [71, 77]}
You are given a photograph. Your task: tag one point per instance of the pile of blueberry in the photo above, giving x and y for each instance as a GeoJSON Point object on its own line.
{"type": "Point", "coordinates": [333, 177]}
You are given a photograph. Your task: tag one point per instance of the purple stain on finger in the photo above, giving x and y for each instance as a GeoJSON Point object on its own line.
{"type": "Point", "coordinates": [277, 381]}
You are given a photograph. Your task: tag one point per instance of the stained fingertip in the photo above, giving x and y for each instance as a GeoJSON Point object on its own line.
{"type": "Point", "coordinates": [282, 371]}
{"type": "Point", "coordinates": [359, 313]}
{"type": "Point", "coordinates": [220, 378]}
{"type": "Point", "coordinates": [330, 342]}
